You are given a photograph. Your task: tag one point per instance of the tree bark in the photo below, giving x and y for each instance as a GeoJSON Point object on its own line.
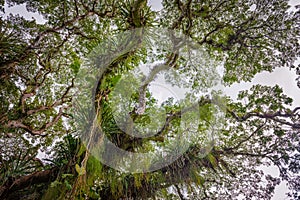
{"type": "Point", "coordinates": [23, 182]}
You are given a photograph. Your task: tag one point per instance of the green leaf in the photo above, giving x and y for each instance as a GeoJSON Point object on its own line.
{"type": "Point", "coordinates": [55, 184]}
{"type": "Point", "coordinates": [68, 185]}
{"type": "Point", "coordinates": [212, 160]}
{"type": "Point", "coordinates": [66, 175]}
{"type": "Point", "coordinates": [80, 170]}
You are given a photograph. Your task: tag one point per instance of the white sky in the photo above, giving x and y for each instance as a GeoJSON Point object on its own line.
{"type": "Point", "coordinates": [281, 76]}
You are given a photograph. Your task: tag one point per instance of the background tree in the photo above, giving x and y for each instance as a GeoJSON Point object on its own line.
{"type": "Point", "coordinates": [38, 68]}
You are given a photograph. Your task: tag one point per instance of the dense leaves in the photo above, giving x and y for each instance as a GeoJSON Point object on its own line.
{"type": "Point", "coordinates": [43, 117]}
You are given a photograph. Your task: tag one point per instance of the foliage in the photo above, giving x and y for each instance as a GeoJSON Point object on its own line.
{"type": "Point", "coordinates": [40, 65]}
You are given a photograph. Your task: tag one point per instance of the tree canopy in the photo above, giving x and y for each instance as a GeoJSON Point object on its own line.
{"type": "Point", "coordinates": [79, 118]}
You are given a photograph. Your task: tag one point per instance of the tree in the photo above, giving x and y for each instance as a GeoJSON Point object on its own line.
{"type": "Point", "coordinates": [42, 66]}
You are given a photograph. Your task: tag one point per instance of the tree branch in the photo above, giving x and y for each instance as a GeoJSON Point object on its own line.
{"type": "Point", "coordinates": [23, 182]}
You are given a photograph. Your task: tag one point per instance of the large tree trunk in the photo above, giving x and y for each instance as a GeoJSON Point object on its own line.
{"type": "Point", "coordinates": [12, 185]}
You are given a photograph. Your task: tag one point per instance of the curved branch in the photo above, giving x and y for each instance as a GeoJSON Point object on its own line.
{"type": "Point", "coordinates": [25, 181]}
